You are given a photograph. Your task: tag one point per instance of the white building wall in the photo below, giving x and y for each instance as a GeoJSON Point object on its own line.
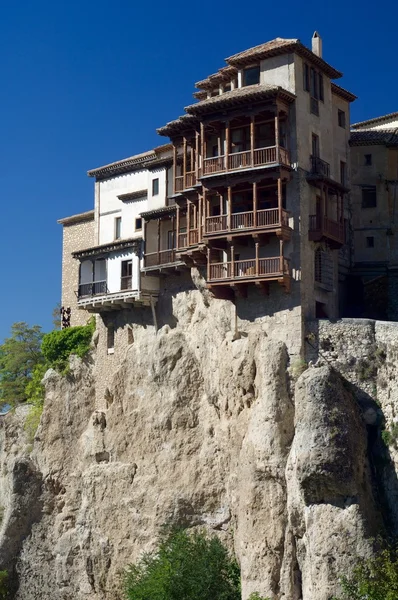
{"type": "Point", "coordinates": [279, 70]}
{"type": "Point", "coordinates": [114, 269]}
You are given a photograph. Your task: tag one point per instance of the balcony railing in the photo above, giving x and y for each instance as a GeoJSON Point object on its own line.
{"type": "Point", "coordinates": [240, 269]}
{"type": "Point", "coordinates": [92, 289]}
{"type": "Point", "coordinates": [323, 226]}
{"type": "Point", "coordinates": [182, 183]}
{"type": "Point", "coordinates": [163, 257]}
{"type": "Point", "coordinates": [126, 282]}
{"type": "Point", "coordinates": [320, 167]}
{"type": "Point", "coordinates": [267, 218]}
{"type": "Point", "coordinates": [243, 160]}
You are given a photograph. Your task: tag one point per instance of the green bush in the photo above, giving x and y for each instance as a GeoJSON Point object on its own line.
{"type": "Point", "coordinates": [3, 585]}
{"type": "Point", "coordinates": [32, 422]}
{"type": "Point", "coordinates": [256, 596]}
{"type": "Point", "coordinates": [185, 566]}
{"type": "Point", "coordinates": [375, 578]}
{"type": "Point", "coordinates": [58, 345]}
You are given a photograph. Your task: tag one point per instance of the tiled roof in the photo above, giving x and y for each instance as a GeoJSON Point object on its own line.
{"type": "Point", "coordinates": [126, 165]}
{"type": "Point", "coordinates": [388, 137]}
{"type": "Point", "coordinates": [105, 248]}
{"type": "Point", "coordinates": [345, 94]}
{"type": "Point", "coordinates": [376, 120]}
{"type": "Point", "coordinates": [178, 125]}
{"type": "Point", "coordinates": [159, 212]}
{"type": "Point", "coordinates": [281, 46]}
{"type": "Point", "coordinates": [223, 74]}
{"type": "Point", "coordinates": [255, 92]}
{"type": "Point", "coordinates": [80, 218]}
{"type": "Point", "coordinates": [133, 195]}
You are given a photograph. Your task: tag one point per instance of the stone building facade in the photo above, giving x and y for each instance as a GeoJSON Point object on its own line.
{"type": "Point", "coordinates": [374, 198]}
{"type": "Point", "coordinates": [78, 233]}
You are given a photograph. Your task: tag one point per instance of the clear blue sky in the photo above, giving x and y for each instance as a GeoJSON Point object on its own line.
{"type": "Point", "coordinates": [86, 83]}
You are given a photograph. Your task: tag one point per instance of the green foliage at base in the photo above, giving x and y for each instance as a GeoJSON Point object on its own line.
{"type": "Point", "coordinates": [19, 355]}
{"type": "Point", "coordinates": [58, 345]}
{"type": "Point", "coordinates": [3, 585]}
{"type": "Point", "coordinates": [373, 579]}
{"type": "Point", "coordinates": [185, 565]}
{"type": "Point", "coordinates": [256, 596]}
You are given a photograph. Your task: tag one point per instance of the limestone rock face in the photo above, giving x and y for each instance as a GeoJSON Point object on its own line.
{"type": "Point", "coordinates": [203, 427]}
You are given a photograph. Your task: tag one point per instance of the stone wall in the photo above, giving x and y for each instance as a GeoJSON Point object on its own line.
{"type": "Point", "coordinates": [77, 235]}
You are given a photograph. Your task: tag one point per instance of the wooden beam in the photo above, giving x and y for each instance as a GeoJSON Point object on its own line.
{"type": "Point", "coordinates": [229, 208]}
{"type": "Point", "coordinates": [227, 144]}
{"type": "Point", "coordinates": [177, 241]}
{"type": "Point", "coordinates": [255, 204]}
{"type": "Point", "coordinates": [252, 140]}
{"type": "Point", "coordinates": [184, 161]}
{"type": "Point", "coordinates": [188, 219]}
{"type": "Point", "coordinates": [174, 167]}
{"type": "Point", "coordinates": [158, 235]}
{"type": "Point", "coordinates": [197, 156]}
{"type": "Point", "coordinates": [280, 199]}
{"type": "Point", "coordinates": [200, 200]}
{"type": "Point", "coordinates": [257, 260]}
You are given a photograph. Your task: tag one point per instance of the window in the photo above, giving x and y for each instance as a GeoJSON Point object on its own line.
{"type": "Point", "coordinates": [370, 242]}
{"type": "Point", "coordinates": [126, 275]}
{"type": "Point", "coordinates": [343, 172]}
{"type": "Point", "coordinates": [170, 240]}
{"type": "Point", "coordinates": [369, 196]}
{"type": "Point", "coordinates": [368, 159]}
{"type": "Point", "coordinates": [155, 187]}
{"type": "Point", "coordinates": [315, 145]}
{"type": "Point", "coordinates": [227, 87]}
{"type": "Point", "coordinates": [341, 118]}
{"type": "Point", "coordinates": [321, 96]}
{"type": "Point", "coordinates": [138, 224]}
{"type": "Point", "coordinates": [251, 76]}
{"type": "Point", "coordinates": [110, 339]}
{"type": "Point", "coordinates": [323, 268]}
{"type": "Point", "coordinates": [306, 76]}
{"type": "Point", "coordinates": [118, 228]}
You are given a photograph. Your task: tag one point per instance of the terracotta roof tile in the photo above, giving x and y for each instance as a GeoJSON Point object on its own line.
{"type": "Point", "coordinates": [388, 137]}
{"type": "Point", "coordinates": [238, 96]}
{"type": "Point", "coordinates": [375, 120]}
{"type": "Point", "coordinates": [281, 46]}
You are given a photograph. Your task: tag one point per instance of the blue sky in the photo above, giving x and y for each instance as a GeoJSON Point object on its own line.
{"type": "Point", "coordinates": [86, 83]}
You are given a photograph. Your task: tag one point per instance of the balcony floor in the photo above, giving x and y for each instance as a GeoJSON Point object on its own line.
{"type": "Point", "coordinates": [117, 300]}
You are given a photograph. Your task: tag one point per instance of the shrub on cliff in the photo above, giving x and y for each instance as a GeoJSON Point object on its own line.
{"type": "Point", "coordinates": [185, 565]}
{"type": "Point", "coordinates": [19, 355]}
{"type": "Point", "coordinates": [58, 345]}
{"type": "Point", "coordinates": [375, 578]}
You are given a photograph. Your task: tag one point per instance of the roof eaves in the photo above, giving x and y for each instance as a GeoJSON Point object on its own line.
{"type": "Point", "coordinates": [343, 93]}
{"type": "Point", "coordinates": [375, 120]}
{"type": "Point", "coordinates": [79, 218]}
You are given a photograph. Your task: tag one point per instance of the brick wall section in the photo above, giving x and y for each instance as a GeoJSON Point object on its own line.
{"type": "Point", "coordinates": [77, 235]}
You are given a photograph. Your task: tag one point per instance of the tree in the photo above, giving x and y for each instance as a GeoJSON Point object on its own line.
{"type": "Point", "coordinates": [185, 566]}
{"type": "Point", "coordinates": [375, 578]}
{"type": "Point", "coordinates": [56, 316]}
{"type": "Point", "coordinates": [19, 355]}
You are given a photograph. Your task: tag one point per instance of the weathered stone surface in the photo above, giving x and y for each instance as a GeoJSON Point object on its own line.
{"type": "Point", "coordinates": [202, 427]}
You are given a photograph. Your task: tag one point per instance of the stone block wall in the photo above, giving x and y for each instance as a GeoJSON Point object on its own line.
{"type": "Point", "coordinates": [78, 233]}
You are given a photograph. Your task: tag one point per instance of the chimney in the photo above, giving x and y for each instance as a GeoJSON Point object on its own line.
{"type": "Point", "coordinates": [317, 44]}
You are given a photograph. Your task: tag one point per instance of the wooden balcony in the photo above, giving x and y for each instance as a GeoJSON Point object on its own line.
{"type": "Point", "coordinates": [252, 270]}
{"type": "Point", "coordinates": [320, 167]}
{"type": "Point", "coordinates": [271, 156]}
{"type": "Point", "coordinates": [182, 182]}
{"type": "Point", "coordinates": [323, 228]}
{"type": "Point", "coordinates": [161, 259]}
{"type": "Point", "coordinates": [188, 238]}
{"type": "Point", "coordinates": [244, 222]}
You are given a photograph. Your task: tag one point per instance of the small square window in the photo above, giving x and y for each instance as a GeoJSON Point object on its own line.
{"type": "Point", "coordinates": [138, 224]}
{"type": "Point", "coordinates": [368, 159]}
{"type": "Point", "coordinates": [341, 118]}
{"type": "Point", "coordinates": [369, 196]}
{"type": "Point", "coordinates": [370, 242]}
{"type": "Point", "coordinates": [155, 187]}
{"type": "Point", "coordinates": [251, 76]}
{"type": "Point", "coordinates": [118, 228]}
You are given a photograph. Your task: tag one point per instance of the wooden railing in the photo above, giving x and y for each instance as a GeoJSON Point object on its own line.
{"type": "Point", "coordinates": [182, 240]}
{"type": "Point", "coordinates": [242, 220]}
{"type": "Point", "coordinates": [327, 227]}
{"type": "Point", "coordinates": [190, 179]}
{"type": "Point", "coordinates": [215, 224]}
{"type": "Point", "coordinates": [178, 183]}
{"type": "Point", "coordinates": [239, 160]}
{"type": "Point", "coordinates": [265, 218]}
{"type": "Point", "coordinates": [126, 282]}
{"type": "Point", "coordinates": [261, 267]}
{"type": "Point", "coordinates": [193, 237]}
{"type": "Point", "coordinates": [163, 257]}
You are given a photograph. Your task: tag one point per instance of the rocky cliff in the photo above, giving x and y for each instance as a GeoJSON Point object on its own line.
{"type": "Point", "coordinates": [202, 427]}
